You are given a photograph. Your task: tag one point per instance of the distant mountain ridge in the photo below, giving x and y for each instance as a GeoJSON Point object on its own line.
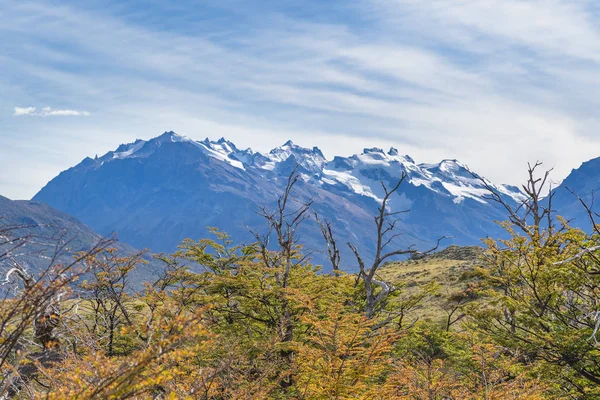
{"type": "Point", "coordinates": [448, 177]}
{"type": "Point", "coordinates": [48, 229]}
{"type": "Point", "coordinates": [157, 192]}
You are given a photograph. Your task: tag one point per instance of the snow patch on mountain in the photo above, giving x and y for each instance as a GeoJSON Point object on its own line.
{"type": "Point", "coordinates": [222, 149]}
{"type": "Point", "coordinates": [311, 160]}
{"type": "Point", "coordinates": [461, 183]}
{"type": "Point", "coordinates": [333, 177]}
{"type": "Point", "coordinates": [129, 150]}
{"type": "Point", "coordinates": [363, 174]}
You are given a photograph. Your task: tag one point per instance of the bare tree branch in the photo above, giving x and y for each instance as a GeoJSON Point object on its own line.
{"type": "Point", "coordinates": [332, 249]}
{"type": "Point", "coordinates": [385, 229]}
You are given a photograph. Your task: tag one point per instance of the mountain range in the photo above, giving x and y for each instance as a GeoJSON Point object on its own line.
{"type": "Point", "coordinates": [155, 193]}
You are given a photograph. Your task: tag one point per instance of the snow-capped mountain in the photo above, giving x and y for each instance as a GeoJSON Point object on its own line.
{"type": "Point", "coordinates": [358, 173]}
{"type": "Point", "coordinates": [155, 193]}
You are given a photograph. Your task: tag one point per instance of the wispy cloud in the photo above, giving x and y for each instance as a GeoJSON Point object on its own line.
{"type": "Point", "coordinates": [48, 112]}
{"type": "Point", "coordinates": [494, 83]}
{"type": "Point", "coordinates": [19, 111]}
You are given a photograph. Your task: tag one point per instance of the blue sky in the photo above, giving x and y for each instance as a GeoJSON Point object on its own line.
{"type": "Point", "coordinates": [492, 83]}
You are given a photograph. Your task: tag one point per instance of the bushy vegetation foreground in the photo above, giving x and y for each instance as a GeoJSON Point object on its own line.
{"type": "Point", "coordinates": [258, 321]}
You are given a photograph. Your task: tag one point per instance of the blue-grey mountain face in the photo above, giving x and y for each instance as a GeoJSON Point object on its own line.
{"type": "Point", "coordinates": [585, 183]}
{"type": "Point", "coordinates": [156, 193]}
{"type": "Point", "coordinates": [47, 230]}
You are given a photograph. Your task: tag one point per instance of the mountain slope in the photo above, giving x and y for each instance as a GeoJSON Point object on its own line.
{"type": "Point", "coordinates": [47, 228]}
{"type": "Point", "coordinates": [583, 182]}
{"type": "Point", "coordinates": [155, 193]}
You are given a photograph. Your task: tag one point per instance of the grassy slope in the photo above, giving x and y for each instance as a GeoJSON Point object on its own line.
{"type": "Point", "coordinates": [451, 269]}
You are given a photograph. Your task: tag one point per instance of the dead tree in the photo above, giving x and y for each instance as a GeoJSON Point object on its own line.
{"type": "Point", "coordinates": [385, 222]}
{"type": "Point", "coordinates": [535, 210]}
{"type": "Point", "coordinates": [283, 223]}
{"type": "Point", "coordinates": [528, 215]}
{"type": "Point", "coordinates": [332, 250]}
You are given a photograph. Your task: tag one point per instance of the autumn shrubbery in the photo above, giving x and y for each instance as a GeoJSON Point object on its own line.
{"type": "Point", "coordinates": [258, 321]}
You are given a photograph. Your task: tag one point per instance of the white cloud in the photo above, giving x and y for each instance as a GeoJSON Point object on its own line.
{"type": "Point", "coordinates": [24, 111]}
{"type": "Point", "coordinates": [48, 112]}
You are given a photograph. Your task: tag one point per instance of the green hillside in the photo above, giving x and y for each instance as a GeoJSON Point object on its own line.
{"type": "Point", "coordinates": [451, 270]}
